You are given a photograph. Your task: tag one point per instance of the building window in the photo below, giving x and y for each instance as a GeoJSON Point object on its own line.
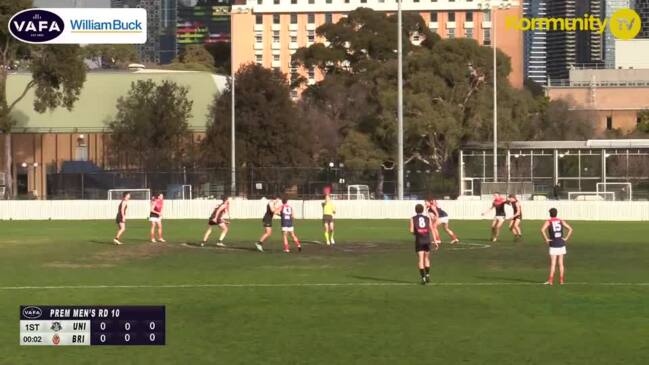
{"type": "Point", "coordinates": [259, 19]}
{"type": "Point", "coordinates": [311, 18]}
{"type": "Point", "coordinates": [293, 18]}
{"type": "Point", "coordinates": [486, 35]}
{"type": "Point", "coordinates": [346, 1]}
{"type": "Point", "coordinates": [451, 33]}
{"type": "Point", "coordinates": [609, 123]}
{"type": "Point", "coordinates": [276, 2]}
{"type": "Point", "coordinates": [293, 2]}
{"type": "Point", "coordinates": [293, 39]}
{"type": "Point", "coordinates": [259, 37]}
{"type": "Point", "coordinates": [487, 16]}
{"type": "Point", "coordinates": [328, 18]}
{"type": "Point", "coordinates": [434, 30]}
{"type": "Point", "coordinates": [310, 36]}
{"type": "Point", "coordinates": [328, 1]}
{"type": "Point", "coordinates": [311, 74]}
{"type": "Point", "coordinates": [311, 1]}
{"type": "Point", "coordinates": [260, 2]}
{"type": "Point", "coordinates": [415, 1]}
{"type": "Point", "coordinates": [469, 16]}
{"type": "Point", "coordinates": [451, 17]}
{"type": "Point", "coordinates": [294, 94]}
{"type": "Point", "coordinates": [433, 16]}
{"type": "Point", "coordinates": [259, 59]}
{"type": "Point", "coordinates": [276, 57]}
{"type": "Point", "coordinates": [276, 19]}
{"type": "Point", "coordinates": [276, 36]}
{"type": "Point", "coordinates": [469, 32]}
{"type": "Point", "coordinates": [416, 38]}
{"type": "Point", "coordinates": [363, 1]}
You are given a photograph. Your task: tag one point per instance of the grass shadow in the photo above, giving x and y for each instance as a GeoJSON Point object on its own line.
{"type": "Point", "coordinates": [382, 280]}
{"type": "Point", "coordinates": [507, 279]}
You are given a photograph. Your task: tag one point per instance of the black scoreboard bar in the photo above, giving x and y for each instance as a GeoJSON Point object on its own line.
{"type": "Point", "coordinates": [53, 325]}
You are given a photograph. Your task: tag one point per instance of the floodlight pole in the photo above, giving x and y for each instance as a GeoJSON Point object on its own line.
{"type": "Point", "coordinates": [233, 177]}
{"type": "Point", "coordinates": [495, 72]}
{"type": "Point", "coordinates": [400, 102]}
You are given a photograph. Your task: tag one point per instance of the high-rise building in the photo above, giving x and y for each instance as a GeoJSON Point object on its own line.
{"type": "Point", "coordinates": [572, 49]}
{"type": "Point", "coordinates": [536, 55]}
{"type": "Point", "coordinates": [609, 40]}
{"type": "Point", "coordinates": [642, 7]}
{"type": "Point", "coordinates": [203, 22]}
{"type": "Point", "coordinates": [268, 32]}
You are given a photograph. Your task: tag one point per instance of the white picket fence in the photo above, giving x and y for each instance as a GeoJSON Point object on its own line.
{"type": "Point", "coordinates": [311, 209]}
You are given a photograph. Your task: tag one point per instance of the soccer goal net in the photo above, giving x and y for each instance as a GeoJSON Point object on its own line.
{"type": "Point", "coordinates": [590, 195]}
{"type": "Point", "coordinates": [358, 192]}
{"type": "Point", "coordinates": [136, 194]}
{"type": "Point", "coordinates": [622, 191]}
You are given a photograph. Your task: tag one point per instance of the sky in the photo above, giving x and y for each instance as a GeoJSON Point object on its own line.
{"type": "Point", "coordinates": [72, 3]}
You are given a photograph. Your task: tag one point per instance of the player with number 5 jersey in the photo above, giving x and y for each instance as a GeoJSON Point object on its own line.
{"type": "Point", "coordinates": [552, 232]}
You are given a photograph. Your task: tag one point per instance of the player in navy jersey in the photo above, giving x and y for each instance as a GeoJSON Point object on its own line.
{"type": "Point", "coordinates": [498, 205]}
{"type": "Point", "coordinates": [552, 232]}
{"type": "Point", "coordinates": [121, 217]}
{"type": "Point", "coordinates": [272, 209]}
{"type": "Point", "coordinates": [440, 217]}
{"type": "Point", "coordinates": [287, 217]}
{"type": "Point", "coordinates": [515, 223]}
{"type": "Point", "coordinates": [218, 219]}
{"type": "Point", "coordinates": [421, 226]}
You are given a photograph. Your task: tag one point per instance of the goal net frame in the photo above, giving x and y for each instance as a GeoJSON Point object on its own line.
{"type": "Point", "coordinates": [361, 192]}
{"type": "Point", "coordinates": [601, 187]}
{"type": "Point", "coordinates": [583, 195]}
{"type": "Point", "coordinates": [147, 194]}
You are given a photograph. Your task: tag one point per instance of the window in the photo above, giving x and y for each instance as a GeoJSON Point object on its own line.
{"type": "Point", "coordinates": [293, 39]}
{"type": "Point", "coordinates": [638, 120]}
{"type": "Point", "coordinates": [276, 2]}
{"type": "Point", "coordinates": [310, 36]}
{"type": "Point", "coordinates": [609, 123]}
{"type": "Point", "coordinates": [415, 1]}
{"type": "Point", "coordinates": [293, 18]}
{"type": "Point", "coordinates": [258, 37]}
{"type": "Point", "coordinates": [434, 30]}
{"type": "Point", "coordinates": [276, 36]}
{"type": "Point", "coordinates": [259, 2]}
{"type": "Point", "coordinates": [276, 57]}
{"type": "Point", "coordinates": [294, 74]}
{"type": "Point", "coordinates": [275, 18]}
{"type": "Point", "coordinates": [451, 17]}
{"type": "Point", "coordinates": [469, 32]}
{"type": "Point", "coordinates": [328, 1]}
{"type": "Point", "coordinates": [433, 16]}
{"type": "Point", "coordinates": [259, 59]}
{"type": "Point", "coordinates": [294, 94]}
{"type": "Point", "coordinates": [469, 16]}
{"type": "Point", "coordinates": [363, 1]}
{"type": "Point", "coordinates": [311, 74]}
{"type": "Point", "coordinates": [293, 2]}
{"type": "Point", "coordinates": [416, 38]}
{"type": "Point", "coordinates": [259, 19]}
{"type": "Point", "coordinates": [311, 1]}
{"type": "Point", "coordinates": [486, 36]}
{"type": "Point", "coordinates": [328, 18]}
{"type": "Point", "coordinates": [451, 33]}
{"type": "Point", "coordinates": [346, 1]}
{"type": "Point", "coordinates": [487, 16]}
{"type": "Point", "coordinates": [311, 18]}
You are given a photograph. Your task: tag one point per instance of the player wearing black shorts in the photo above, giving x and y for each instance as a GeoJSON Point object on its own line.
{"type": "Point", "coordinates": [515, 223]}
{"type": "Point", "coordinates": [498, 205]}
{"type": "Point", "coordinates": [421, 227]}
{"type": "Point", "coordinates": [217, 218]}
{"type": "Point", "coordinates": [120, 219]}
{"type": "Point", "coordinates": [272, 209]}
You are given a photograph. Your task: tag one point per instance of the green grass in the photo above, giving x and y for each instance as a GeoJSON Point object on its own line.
{"type": "Point", "coordinates": [513, 321]}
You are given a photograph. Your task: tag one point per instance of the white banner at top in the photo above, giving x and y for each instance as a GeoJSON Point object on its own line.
{"type": "Point", "coordinates": [80, 26]}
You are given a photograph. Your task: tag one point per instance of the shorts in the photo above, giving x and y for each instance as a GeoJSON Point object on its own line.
{"type": "Point", "coordinates": [443, 220]}
{"type": "Point", "coordinates": [288, 229]}
{"type": "Point", "coordinates": [268, 224]}
{"type": "Point", "coordinates": [500, 218]}
{"type": "Point", "coordinates": [327, 218]}
{"type": "Point", "coordinates": [154, 218]}
{"type": "Point", "coordinates": [218, 222]}
{"type": "Point", "coordinates": [422, 247]}
{"type": "Point", "coordinates": [556, 251]}
{"type": "Point", "coordinates": [119, 219]}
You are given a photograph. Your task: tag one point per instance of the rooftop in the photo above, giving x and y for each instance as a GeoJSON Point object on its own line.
{"type": "Point", "coordinates": [584, 145]}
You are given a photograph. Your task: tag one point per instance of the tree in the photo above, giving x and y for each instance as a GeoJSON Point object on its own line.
{"type": "Point", "coordinates": [112, 56]}
{"type": "Point", "coordinates": [194, 57]}
{"type": "Point", "coordinates": [58, 74]}
{"type": "Point", "coordinates": [269, 128]}
{"type": "Point", "coordinates": [557, 121]}
{"type": "Point", "coordinates": [221, 53]}
{"type": "Point", "coordinates": [643, 121]}
{"type": "Point", "coordinates": [150, 129]}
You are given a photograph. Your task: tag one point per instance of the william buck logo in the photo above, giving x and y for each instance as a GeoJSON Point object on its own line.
{"type": "Point", "coordinates": [623, 24]}
{"type": "Point", "coordinates": [36, 26]}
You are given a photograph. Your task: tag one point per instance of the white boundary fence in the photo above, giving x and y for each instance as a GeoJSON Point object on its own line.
{"type": "Point", "coordinates": [311, 209]}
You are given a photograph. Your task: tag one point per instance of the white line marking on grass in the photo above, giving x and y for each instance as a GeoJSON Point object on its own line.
{"type": "Point", "coordinates": [471, 246]}
{"type": "Point", "coordinates": [295, 285]}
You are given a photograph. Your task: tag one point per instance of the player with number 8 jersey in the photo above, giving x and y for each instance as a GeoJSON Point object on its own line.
{"type": "Point", "coordinates": [421, 227]}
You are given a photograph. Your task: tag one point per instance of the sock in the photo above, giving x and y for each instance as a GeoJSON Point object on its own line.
{"type": "Point", "coordinates": [551, 278]}
{"type": "Point", "coordinates": [297, 242]}
{"type": "Point", "coordinates": [285, 246]}
{"type": "Point", "coordinates": [221, 237]}
{"type": "Point", "coordinates": [331, 235]}
{"type": "Point", "coordinates": [454, 237]}
{"type": "Point", "coordinates": [326, 237]}
{"type": "Point", "coordinates": [260, 242]}
{"type": "Point", "coordinates": [422, 272]}
{"type": "Point", "coordinates": [427, 271]}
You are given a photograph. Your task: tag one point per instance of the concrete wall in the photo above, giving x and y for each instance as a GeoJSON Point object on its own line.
{"type": "Point", "coordinates": [372, 209]}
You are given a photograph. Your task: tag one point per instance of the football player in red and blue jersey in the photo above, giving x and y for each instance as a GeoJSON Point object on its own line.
{"type": "Point", "coordinates": [421, 226]}
{"type": "Point", "coordinates": [286, 218]}
{"type": "Point", "coordinates": [552, 232]}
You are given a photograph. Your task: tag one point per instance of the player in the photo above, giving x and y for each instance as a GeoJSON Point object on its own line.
{"type": "Point", "coordinates": [328, 212]}
{"type": "Point", "coordinates": [552, 232]}
{"type": "Point", "coordinates": [121, 217]}
{"type": "Point", "coordinates": [287, 217]}
{"type": "Point", "coordinates": [421, 227]}
{"type": "Point", "coordinates": [440, 217]}
{"type": "Point", "coordinates": [217, 219]}
{"type": "Point", "coordinates": [272, 209]}
{"type": "Point", "coordinates": [515, 223]}
{"type": "Point", "coordinates": [155, 217]}
{"type": "Point", "coordinates": [498, 205]}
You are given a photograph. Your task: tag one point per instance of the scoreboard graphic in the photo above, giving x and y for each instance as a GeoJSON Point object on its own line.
{"type": "Point", "coordinates": [52, 325]}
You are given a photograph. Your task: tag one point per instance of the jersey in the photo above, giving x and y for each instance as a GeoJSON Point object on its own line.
{"type": "Point", "coordinates": [286, 216]}
{"type": "Point", "coordinates": [268, 216]}
{"type": "Point", "coordinates": [157, 208]}
{"type": "Point", "coordinates": [219, 218]}
{"type": "Point", "coordinates": [499, 205]}
{"type": "Point", "coordinates": [421, 225]}
{"type": "Point", "coordinates": [440, 212]}
{"type": "Point", "coordinates": [555, 230]}
{"type": "Point", "coordinates": [328, 208]}
{"type": "Point", "coordinates": [515, 206]}
{"type": "Point", "coordinates": [120, 218]}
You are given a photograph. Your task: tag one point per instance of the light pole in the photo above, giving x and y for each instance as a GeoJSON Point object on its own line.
{"type": "Point", "coordinates": [400, 103]}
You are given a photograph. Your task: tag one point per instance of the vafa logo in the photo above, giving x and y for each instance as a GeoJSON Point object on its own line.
{"type": "Point", "coordinates": [36, 25]}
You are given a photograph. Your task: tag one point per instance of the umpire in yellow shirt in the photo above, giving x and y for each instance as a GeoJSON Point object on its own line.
{"type": "Point", "coordinates": [328, 212]}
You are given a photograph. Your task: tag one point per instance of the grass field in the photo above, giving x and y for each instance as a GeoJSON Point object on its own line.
{"type": "Point", "coordinates": [485, 306]}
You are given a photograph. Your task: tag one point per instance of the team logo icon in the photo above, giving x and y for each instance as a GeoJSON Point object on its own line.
{"type": "Point", "coordinates": [36, 26]}
{"type": "Point", "coordinates": [56, 326]}
{"type": "Point", "coordinates": [56, 339]}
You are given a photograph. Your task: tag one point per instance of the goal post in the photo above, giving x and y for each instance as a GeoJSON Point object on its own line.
{"type": "Point", "coordinates": [591, 195]}
{"type": "Point", "coordinates": [136, 194]}
{"type": "Point", "coordinates": [622, 190]}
